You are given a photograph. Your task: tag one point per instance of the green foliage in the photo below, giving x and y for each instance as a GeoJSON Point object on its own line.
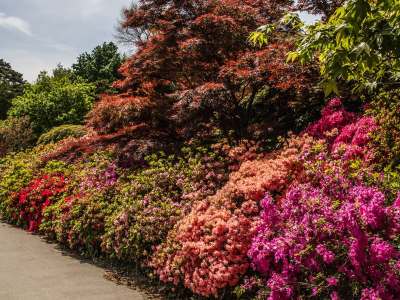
{"type": "Point", "coordinates": [100, 67]}
{"type": "Point", "coordinates": [59, 133]}
{"type": "Point", "coordinates": [61, 72]}
{"type": "Point", "coordinates": [53, 102]}
{"type": "Point", "coordinates": [360, 42]}
{"type": "Point", "coordinates": [386, 138]}
{"type": "Point", "coordinates": [11, 86]}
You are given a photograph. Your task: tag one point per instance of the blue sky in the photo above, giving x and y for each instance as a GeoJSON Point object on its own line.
{"type": "Point", "coordinates": [37, 34]}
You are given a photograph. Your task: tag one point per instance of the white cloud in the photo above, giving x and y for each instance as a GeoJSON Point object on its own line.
{"type": "Point", "coordinates": [63, 47]}
{"type": "Point", "coordinates": [15, 23]}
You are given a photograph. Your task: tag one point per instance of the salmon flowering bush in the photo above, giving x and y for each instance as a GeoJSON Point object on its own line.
{"type": "Point", "coordinates": [207, 249]}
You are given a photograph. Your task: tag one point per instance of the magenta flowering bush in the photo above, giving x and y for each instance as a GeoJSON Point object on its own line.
{"type": "Point", "coordinates": [332, 239]}
{"type": "Point", "coordinates": [338, 127]}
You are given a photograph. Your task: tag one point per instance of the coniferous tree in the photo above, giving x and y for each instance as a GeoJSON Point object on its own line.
{"type": "Point", "coordinates": [11, 86]}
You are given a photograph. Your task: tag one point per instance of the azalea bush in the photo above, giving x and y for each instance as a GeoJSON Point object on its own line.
{"type": "Point", "coordinates": [26, 206]}
{"type": "Point", "coordinates": [158, 197]}
{"type": "Point", "coordinates": [337, 238]}
{"type": "Point", "coordinates": [207, 249]}
{"type": "Point", "coordinates": [318, 217]}
{"type": "Point", "coordinates": [78, 219]}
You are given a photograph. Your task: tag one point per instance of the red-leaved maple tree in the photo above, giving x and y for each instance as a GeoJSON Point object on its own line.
{"type": "Point", "coordinates": [196, 74]}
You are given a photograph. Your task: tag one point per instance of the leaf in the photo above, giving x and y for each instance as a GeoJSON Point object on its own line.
{"type": "Point", "coordinates": [360, 48]}
{"type": "Point", "coordinates": [329, 87]}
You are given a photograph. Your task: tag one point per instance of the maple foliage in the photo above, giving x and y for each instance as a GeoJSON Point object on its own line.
{"type": "Point", "coordinates": [196, 71]}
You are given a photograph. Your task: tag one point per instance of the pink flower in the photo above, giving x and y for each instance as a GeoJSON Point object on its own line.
{"type": "Point", "coordinates": [332, 281]}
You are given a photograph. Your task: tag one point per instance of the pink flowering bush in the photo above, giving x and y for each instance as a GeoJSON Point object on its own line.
{"type": "Point", "coordinates": [338, 127]}
{"type": "Point", "coordinates": [78, 219]}
{"type": "Point", "coordinates": [333, 239]}
{"type": "Point", "coordinates": [155, 199]}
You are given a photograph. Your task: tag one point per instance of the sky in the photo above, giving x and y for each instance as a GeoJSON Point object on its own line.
{"type": "Point", "coordinates": [35, 35]}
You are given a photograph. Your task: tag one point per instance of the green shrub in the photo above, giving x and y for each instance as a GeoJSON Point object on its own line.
{"type": "Point", "coordinates": [386, 138]}
{"type": "Point", "coordinates": [59, 133]}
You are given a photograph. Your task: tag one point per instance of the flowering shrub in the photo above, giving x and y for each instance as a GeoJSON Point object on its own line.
{"type": "Point", "coordinates": [207, 249]}
{"type": "Point", "coordinates": [78, 219]}
{"type": "Point", "coordinates": [328, 227]}
{"type": "Point", "coordinates": [329, 240]}
{"type": "Point", "coordinates": [26, 206]}
{"type": "Point", "coordinates": [16, 173]}
{"type": "Point", "coordinates": [338, 127]}
{"type": "Point", "coordinates": [156, 198]}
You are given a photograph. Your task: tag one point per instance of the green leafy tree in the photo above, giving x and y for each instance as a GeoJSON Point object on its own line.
{"type": "Point", "coordinates": [53, 101]}
{"type": "Point", "coordinates": [61, 72]}
{"type": "Point", "coordinates": [359, 43]}
{"type": "Point", "coordinates": [11, 86]}
{"type": "Point", "coordinates": [100, 68]}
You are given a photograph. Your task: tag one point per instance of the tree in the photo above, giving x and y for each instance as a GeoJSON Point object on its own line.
{"type": "Point", "coordinates": [360, 43]}
{"type": "Point", "coordinates": [53, 101]}
{"type": "Point", "coordinates": [61, 72]}
{"type": "Point", "coordinates": [100, 67]}
{"type": "Point", "coordinates": [127, 36]}
{"type": "Point", "coordinates": [196, 73]}
{"type": "Point", "coordinates": [11, 86]}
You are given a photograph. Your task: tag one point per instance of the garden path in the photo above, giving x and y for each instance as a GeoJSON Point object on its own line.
{"type": "Point", "coordinates": [31, 268]}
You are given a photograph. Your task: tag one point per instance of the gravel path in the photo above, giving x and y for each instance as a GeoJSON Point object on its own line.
{"type": "Point", "coordinates": [32, 269]}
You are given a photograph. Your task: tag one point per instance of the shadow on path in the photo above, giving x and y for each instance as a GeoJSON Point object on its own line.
{"type": "Point", "coordinates": [38, 269]}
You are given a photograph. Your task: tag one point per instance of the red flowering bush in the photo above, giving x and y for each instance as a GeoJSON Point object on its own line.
{"type": "Point", "coordinates": [27, 205]}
